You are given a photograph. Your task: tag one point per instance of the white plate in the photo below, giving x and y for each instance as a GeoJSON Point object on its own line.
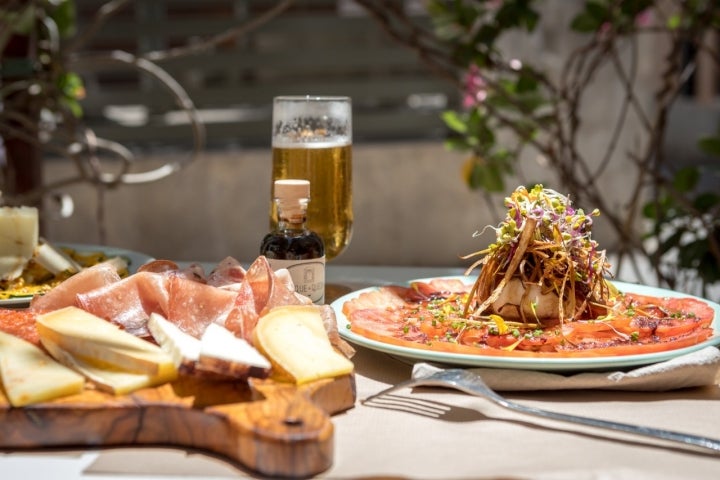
{"type": "Point", "coordinates": [523, 363]}
{"type": "Point", "coordinates": [134, 259]}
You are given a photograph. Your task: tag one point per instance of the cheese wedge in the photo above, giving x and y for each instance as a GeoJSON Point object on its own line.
{"type": "Point", "coordinates": [219, 352]}
{"type": "Point", "coordinates": [294, 339]}
{"type": "Point", "coordinates": [19, 229]}
{"type": "Point", "coordinates": [31, 376]}
{"type": "Point", "coordinates": [101, 343]}
{"type": "Point", "coordinates": [118, 382]}
{"type": "Point", "coordinates": [182, 347]}
{"type": "Point", "coordinates": [55, 260]}
{"type": "Point", "coordinates": [224, 353]}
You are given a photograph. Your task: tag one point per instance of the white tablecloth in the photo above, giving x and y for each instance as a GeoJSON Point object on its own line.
{"type": "Point", "coordinates": [469, 438]}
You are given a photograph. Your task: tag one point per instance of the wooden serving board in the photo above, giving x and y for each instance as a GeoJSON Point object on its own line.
{"type": "Point", "coordinates": [273, 428]}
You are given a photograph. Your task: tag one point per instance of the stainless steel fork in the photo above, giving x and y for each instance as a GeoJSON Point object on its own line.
{"type": "Point", "coordinates": [469, 382]}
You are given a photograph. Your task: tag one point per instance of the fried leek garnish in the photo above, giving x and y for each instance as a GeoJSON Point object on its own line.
{"type": "Point", "coordinates": [544, 241]}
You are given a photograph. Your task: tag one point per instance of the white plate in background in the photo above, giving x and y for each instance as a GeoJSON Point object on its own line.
{"type": "Point", "coordinates": [134, 259]}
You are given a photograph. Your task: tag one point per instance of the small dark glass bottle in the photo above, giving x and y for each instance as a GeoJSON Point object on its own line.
{"type": "Point", "coordinates": [292, 245]}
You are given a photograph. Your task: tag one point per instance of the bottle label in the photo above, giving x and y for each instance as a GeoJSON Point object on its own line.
{"type": "Point", "coordinates": [307, 275]}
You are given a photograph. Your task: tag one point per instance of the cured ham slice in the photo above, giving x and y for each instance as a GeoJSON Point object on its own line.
{"type": "Point", "coordinates": [64, 295]}
{"type": "Point", "coordinates": [190, 304]}
{"type": "Point", "coordinates": [159, 266]}
{"type": "Point", "coordinates": [441, 285]}
{"type": "Point", "coordinates": [330, 323]}
{"type": "Point", "coordinates": [193, 306]}
{"type": "Point", "coordinates": [260, 291]}
{"type": "Point", "coordinates": [194, 271]}
{"type": "Point", "coordinates": [130, 301]}
{"type": "Point", "coordinates": [386, 298]}
{"type": "Point", "coordinates": [229, 273]}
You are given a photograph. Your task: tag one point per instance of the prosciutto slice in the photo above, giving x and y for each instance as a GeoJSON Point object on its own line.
{"type": "Point", "coordinates": [190, 304]}
{"type": "Point", "coordinates": [260, 291]}
{"type": "Point", "coordinates": [193, 306]}
{"type": "Point", "coordinates": [229, 273]}
{"type": "Point", "coordinates": [64, 295]}
{"type": "Point", "coordinates": [130, 301]}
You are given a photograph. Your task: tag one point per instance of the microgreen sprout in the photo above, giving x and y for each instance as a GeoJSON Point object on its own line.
{"type": "Point", "coordinates": [544, 240]}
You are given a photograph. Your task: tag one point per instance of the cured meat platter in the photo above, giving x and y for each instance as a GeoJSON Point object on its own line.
{"type": "Point", "coordinates": [273, 428]}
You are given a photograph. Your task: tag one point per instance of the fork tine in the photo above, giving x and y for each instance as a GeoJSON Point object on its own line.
{"type": "Point", "coordinates": [410, 405]}
{"type": "Point", "coordinates": [399, 386]}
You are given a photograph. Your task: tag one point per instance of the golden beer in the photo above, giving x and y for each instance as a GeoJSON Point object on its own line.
{"type": "Point", "coordinates": [328, 167]}
{"type": "Point", "coordinates": [312, 140]}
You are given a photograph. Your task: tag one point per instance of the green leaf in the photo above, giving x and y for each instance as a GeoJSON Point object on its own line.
{"type": "Point", "coordinates": [73, 105]}
{"type": "Point", "coordinates": [673, 241]}
{"type": "Point", "coordinates": [517, 13]}
{"type": "Point", "coordinates": [65, 18]}
{"type": "Point", "coordinates": [686, 179]}
{"type": "Point", "coordinates": [691, 254]}
{"type": "Point", "coordinates": [710, 145]}
{"type": "Point", "coordinates": [454, 122]}
{"type": "Point", "coordinates": [592, 18]}
{"type": "Point", "coordinates": [585, 23]}
{"type": "Point", "coordinates": [531, 19]}
{"type": "Point", "coordinates": [661, 210]}
{"type": "Point", "coordinates": [487, 34]}
{"type": "Point", "coordinates": [485, 134]}
{"type": "Point", "coordinates": [456, 144]}
{"type": "Point", "coordinates": [674, 22]}
{"type": "Point", "coordinates": [706, 201]}
{"type": "Point", "coordinates": [526, 83]}
{"type": "Point", "coordinates": [487, 177]}
{"type": "Point", "coordinates": [597, 10]}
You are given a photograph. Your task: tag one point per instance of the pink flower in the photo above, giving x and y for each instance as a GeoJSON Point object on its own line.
{"type": "Point", "coordinates": [644, 18]}
{"type": "Point", "coordinates": [475, 87]}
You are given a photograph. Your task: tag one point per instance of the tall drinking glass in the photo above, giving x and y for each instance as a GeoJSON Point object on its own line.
{"type": "Point", "coordinates": [312, 140]}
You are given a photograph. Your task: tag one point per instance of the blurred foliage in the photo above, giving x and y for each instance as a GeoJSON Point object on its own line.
{"type": "Point", "coordinates": [503, 95]}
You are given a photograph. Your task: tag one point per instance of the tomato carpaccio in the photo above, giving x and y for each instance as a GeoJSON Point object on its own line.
{"type": "Point", "coordinates": [429, 315]}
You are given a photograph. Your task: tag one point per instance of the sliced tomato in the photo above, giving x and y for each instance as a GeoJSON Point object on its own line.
{"type": "Point", "coordinates": [641, 324]}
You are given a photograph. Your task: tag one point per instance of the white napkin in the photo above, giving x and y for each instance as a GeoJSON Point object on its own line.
{"type": "Point", "coordinates": [694, 369]}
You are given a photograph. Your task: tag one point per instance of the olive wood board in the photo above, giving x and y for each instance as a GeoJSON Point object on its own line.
{"type": "Point", "coordinates": [273, 428]}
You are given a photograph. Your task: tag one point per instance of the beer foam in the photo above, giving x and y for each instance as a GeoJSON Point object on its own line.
{"type": "Point", "coordinates": [291, 142]}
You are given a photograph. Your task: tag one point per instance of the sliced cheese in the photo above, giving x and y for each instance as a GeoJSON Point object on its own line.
{"type": "Point", "coordinates": [19, 229]}
{"type": "Point", "coordinates": [224, 353]}
{"type": "Point", "coordinates": [218, 352]}
{"type": "Point", "coordinates": [101, 343]}
{"type": "Point", "coordinates": [55, 260]}
{"type": "Point", "coordinates": [182, 347]}
{"type": "Point", "coordinates": [31, 376]}
{"type": "Point", "coordinates": [118, 382]}
{"type": "Point", "coordinates": [294, 339]}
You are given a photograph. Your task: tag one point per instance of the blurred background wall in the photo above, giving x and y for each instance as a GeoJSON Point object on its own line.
{"type": "Point", "coordinates": [411, 204]}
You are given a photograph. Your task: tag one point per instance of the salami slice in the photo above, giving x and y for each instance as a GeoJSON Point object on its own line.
{"type": "Point", "coordinates": [20, 323]}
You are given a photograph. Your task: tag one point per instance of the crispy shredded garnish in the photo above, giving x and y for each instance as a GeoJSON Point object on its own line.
{"type": "Point", "coordinates": [545, 241]}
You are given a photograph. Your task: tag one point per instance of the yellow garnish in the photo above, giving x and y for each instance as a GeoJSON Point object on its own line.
{"type": "Point", "coordinates": [499, 323]}
{"type": "Point", "coordinates": [512, 347]}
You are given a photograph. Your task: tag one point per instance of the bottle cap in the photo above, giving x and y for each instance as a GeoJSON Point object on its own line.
{"type": "Point", "coordinates": [288, 189]}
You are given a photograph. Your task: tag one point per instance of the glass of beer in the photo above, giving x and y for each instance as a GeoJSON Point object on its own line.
{"type": "Point", "coordinates": [312, 140]}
